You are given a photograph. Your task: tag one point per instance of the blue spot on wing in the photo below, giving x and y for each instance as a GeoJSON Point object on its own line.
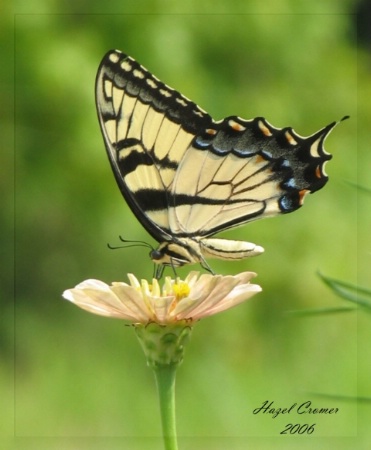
{"type": "Point", "coordinates": [289, 202]}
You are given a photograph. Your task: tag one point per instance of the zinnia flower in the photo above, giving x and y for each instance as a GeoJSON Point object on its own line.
{"type": "Point", "coordinates": [163, 318]}
{"type": "Point", "coordinates": [189, 300]}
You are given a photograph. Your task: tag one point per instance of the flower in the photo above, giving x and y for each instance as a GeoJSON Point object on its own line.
{"type": "Point", "coordinates": [189, 300]}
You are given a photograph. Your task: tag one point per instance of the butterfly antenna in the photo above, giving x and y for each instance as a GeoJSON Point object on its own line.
{"type": "Point", "coordinates": [141, 243]}
{"type": "Point", "coordinates": [130, 244]}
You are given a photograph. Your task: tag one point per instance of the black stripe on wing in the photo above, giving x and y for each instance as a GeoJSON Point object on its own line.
{"type": "Point", "coordinates": [135, 159]}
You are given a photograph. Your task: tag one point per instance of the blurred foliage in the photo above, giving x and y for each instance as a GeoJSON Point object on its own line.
{"type": "Point", "coordinates": [355, 294]}
{"type": "Point", "coordinates": [293, 62]}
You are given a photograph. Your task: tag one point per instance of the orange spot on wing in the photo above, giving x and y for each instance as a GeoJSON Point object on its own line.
{"type": "Point", "coordinates": [259, 159]}
{"type": "Point", "coordinates": [318, 172]}
{"type": "Point", "coordinates": [302, 195]}
{"type": "Point", "coordinates": [237, 127]}
{"type": "Point", "coordinates": [264, 129]}
{"type": "Point", "coordinates": [290, 138]}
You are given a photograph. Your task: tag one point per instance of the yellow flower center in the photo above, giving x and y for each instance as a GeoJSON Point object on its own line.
{"type": "Point", "coordinates": [181, 289]}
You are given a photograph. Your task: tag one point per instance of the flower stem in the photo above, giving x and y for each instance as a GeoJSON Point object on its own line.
{"type": "Point", "coordinates": [163, 346]}
{"type": "Point", "coordinates": [165, 380]}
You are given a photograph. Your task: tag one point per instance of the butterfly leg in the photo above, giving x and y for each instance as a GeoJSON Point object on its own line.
{"type": "Point", "coordinates": [206, 266]}
{"type": "Point", "coordinates": [158, 271]}
{"type": "Point", "coordinates": [173, 267]}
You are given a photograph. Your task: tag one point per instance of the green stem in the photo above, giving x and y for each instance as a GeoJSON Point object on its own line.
{"type": "Point", "coordinates": [163, 346]}
{"type": "Point", "coordinates": [165, 380]}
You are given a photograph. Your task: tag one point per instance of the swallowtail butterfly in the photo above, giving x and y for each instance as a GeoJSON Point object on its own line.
{"type": "Point", "coordinates": [186, 176]}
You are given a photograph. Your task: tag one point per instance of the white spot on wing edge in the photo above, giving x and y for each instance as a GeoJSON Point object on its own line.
{"type": "Point", "coordinates": [181, 101]}
{"type": "Point", "coordinates": [151, 83]}
{"type": "Point", "coordinates": [165, 92]}
{"type": "Point", "coordinates": [198, 113]}
{"type": "Point", "coordinates": [125, 65]}
{"type": "Point", "coordinates": [114, 57]}
{"type": "Point", "coordinates": [138, 73]}
{"type": "Point", "coordinates": [245, 120]}
{"type": "Point", "coordinates": [324, 168]}
{"type": "Point", "coordinates": [314, 148]}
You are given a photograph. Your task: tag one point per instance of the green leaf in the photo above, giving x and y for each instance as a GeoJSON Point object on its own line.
{"type": "Point", "coordinates": [359, 295]}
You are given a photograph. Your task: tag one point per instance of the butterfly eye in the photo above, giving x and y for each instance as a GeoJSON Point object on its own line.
{"type": "Point", "coordinates": [156, 255]}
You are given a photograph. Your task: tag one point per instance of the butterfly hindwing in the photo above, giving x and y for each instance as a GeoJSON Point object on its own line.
{"type": "Point", "coordinates": [247, 170]}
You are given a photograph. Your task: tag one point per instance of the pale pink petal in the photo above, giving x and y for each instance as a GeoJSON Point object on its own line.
{"type": "Point", "coordinates": [98, 300]}
{"type": "Point", "coordinates": [197, 296]}
{"type": "Point", "coordinates": [217, 288]}
{"type": "Point", "coordinates": [84, 301]}
{"type": "Point", "coordinates": [245, 277]}
{"type": "Point", "coordinates": [211, 295]}
{"type": "Point", "coordinates": [161, 307]}
{"type": "Point", "coordinates": [203, 285]}
{"type": "Point", "coordinates": [192, 278]}
{"type": "Point", "coordinates": [131, 300]}
{"type": "Point", "coordinates": [239, 295]}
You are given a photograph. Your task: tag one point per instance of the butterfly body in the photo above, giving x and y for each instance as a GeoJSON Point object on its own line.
{"type": "Point", "coordinates": [181, 251]}
{"type": "Point", "coordinates": [186, 176]}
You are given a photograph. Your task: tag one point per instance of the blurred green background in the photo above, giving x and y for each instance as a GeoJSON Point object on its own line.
{"type": "Point", "coordinates": [80, 381]}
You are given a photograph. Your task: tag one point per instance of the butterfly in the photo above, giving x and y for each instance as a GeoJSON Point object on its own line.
{"type": "Point", "coordinates": [187, 177]}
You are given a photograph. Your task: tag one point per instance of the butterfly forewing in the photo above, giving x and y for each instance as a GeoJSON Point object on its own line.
{"type": "Point", "coordinates": [142, 124]}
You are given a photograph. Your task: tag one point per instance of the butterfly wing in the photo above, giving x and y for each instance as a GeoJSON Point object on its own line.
{"type": "Point", "coordinates": [246, 170]}
{"type": "Point", "coordinates": [186, 176]}
{"type": "Point", "coordinates": [147, 127]}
